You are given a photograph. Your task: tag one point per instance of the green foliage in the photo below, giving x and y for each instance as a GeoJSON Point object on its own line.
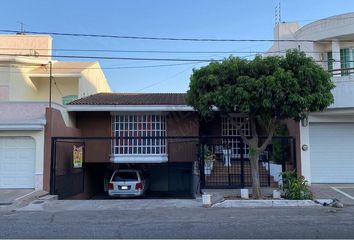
{"type": "Point", "coordinates": [267, 87]}
{"type": "Point", "coordinates": [295, 188]}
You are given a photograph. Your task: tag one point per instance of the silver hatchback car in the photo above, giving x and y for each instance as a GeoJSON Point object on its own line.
{"type": "Point", "coordinates": [127, 183]}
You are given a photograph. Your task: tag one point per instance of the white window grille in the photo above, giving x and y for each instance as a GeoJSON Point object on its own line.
{"type": "Point", "coordinates": [228, 129]}
{"type": "Point", "coordinates": [129, 129]}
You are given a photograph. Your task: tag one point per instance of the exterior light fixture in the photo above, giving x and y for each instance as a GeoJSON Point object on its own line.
{"type": "Point", "coordinates": [305, 147]}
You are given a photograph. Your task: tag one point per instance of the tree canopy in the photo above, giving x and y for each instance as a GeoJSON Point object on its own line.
{"type": "Point", "coordinates": [267, 87]}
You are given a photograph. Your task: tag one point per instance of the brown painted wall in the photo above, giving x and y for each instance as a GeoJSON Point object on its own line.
{"type": "Point", "coordinates": [95, 124]}
{"type": "Point", "coordinates": [181, 124]}
{"type": "Point", "coordinates": [98, 124]}
{"type": "Point", "coordinates": [294, 131]}
{"type": "Point", "coordinates": [211, 127]}
{"type": "Point", "coordinates": [55, 126]}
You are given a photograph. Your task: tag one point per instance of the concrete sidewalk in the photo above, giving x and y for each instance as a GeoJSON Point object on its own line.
{"type": "Point", "coordinates": [8, 196]}
{"type": "Point", "coordinates": [113, 204]}
{"type": "Point", "coordinates": [11, 199]}
{"type": "Point", "coordinates": [343, 192]}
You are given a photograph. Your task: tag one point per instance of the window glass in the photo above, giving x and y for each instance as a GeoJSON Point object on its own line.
{"type": "Point", "coordinates": [345, 61]}
{"type": "Point", "coordinates": [125, 176]}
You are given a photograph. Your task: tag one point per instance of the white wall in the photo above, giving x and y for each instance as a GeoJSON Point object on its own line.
{"type": "Point", "coordinates": [343, 93]}
{"type": "Point", "coordinates": [38, 136]}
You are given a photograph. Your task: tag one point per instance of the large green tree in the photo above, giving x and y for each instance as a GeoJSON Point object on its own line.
{"type": "Point", "coordinates": [267, 89]}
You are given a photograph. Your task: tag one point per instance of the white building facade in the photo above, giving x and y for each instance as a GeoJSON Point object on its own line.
{"type": "Point", "coordinates": [327, 140]}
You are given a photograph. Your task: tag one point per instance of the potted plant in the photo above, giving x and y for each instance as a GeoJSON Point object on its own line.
{"type": "Point", "coordinates": [209, 159]}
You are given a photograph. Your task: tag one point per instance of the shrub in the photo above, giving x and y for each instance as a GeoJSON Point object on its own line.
{"type": "Point", "coordinates": [294, 187]}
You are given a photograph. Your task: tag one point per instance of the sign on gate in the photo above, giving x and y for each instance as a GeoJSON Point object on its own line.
{"type": "Point", "coordinates": [77, 156]}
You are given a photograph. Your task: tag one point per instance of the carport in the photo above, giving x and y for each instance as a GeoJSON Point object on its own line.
{"type": "Point", "coordinates": [85, 178]}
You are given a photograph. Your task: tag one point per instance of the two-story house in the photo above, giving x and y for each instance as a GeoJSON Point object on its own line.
{"type": "Point", "coordinates": [326, 139]}
{"type": "Point", "coordinates": [24, 99]}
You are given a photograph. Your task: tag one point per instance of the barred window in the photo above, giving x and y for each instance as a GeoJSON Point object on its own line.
{"type": "Point", "coordinates": [128, 130]}
{"type": "Point", "coordinates": [228, 129]}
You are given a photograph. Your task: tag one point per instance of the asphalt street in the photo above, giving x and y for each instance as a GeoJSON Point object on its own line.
{"type": "Point", "coordinates": [172, 222]}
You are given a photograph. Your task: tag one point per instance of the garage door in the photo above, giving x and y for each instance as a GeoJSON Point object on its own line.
{"type": "Point", "coordinates": [17, 162]}
{"type": "Point", "coordinates": [332, 153]}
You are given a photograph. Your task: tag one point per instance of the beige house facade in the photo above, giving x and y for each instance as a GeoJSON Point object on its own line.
{"type": "Point", "coordinates": [24, 98]}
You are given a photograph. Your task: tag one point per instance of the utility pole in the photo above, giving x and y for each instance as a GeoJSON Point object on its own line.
{"type": "Point", "coordinates": [50, 85]}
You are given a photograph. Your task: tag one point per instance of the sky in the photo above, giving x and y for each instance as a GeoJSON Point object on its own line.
{"type": "Point", "coordinates": [222, 19]}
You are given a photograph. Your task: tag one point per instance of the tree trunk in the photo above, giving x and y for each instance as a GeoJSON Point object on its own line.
{"type": "Point", "coordinates": [256, 189]}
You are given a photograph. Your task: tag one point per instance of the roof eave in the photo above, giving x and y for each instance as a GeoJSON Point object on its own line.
{"type": "Point", "coordinates": [129, 108]}
{"type": "Point", "coordinates": [55, 74]}
{"type": "Point", "coordinates": [23, 126]}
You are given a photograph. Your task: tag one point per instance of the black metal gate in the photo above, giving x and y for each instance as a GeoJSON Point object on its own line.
{"type": "Point", "coordinates": [67, 180]}
{"type": "Point", "coordinates": [227, 165]}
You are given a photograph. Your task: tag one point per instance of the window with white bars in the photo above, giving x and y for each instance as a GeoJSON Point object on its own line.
{"type": "Point", "coordinates": [228, 129]}
{"type": "Point", "coordinates": [128, 130]}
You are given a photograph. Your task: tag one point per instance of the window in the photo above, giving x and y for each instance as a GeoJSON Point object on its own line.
{"type": "Point", "coordinates": [128, 130]}
{"type": "Point", "coordinates": [345, 60]}
{"type": "Point", "coordinates": [228, 129]}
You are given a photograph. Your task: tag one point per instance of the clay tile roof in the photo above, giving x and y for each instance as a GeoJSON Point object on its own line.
{"type": "Point", "coordinates": [133, 99]}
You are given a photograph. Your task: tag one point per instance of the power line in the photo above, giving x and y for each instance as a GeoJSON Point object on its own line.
{"type": "Point", "coordinates": [115, 58]}
{"type": "Point", "coordinates": [120, 67]}
{"type": "Point", "coordinates": [132, 51]}
{"type": "Point", "coordinates": [163, 81]}
{"type": "Point", "coordinates": [131, 58]}
{"type": "Point", "coordinates": [170, 38]}
{"type": "Point", "coordinates": [155, 51]}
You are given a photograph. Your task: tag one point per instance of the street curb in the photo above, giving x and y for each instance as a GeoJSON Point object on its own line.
{"type": "Point", "coordinates": [49, 198]}
{"type": "Point", "coordinates": [213, 199]}
{"type": "Point", "coordinates": [266, 203]}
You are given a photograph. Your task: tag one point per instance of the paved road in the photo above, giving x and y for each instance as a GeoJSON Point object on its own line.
{"type": "Point", "coordinates": [176, 222]}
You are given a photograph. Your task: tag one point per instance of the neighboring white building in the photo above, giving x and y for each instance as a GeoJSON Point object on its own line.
{"type": "Point", "coordinates": [329, 134]}
{"type": "Point", "coordinates": [24, 95]}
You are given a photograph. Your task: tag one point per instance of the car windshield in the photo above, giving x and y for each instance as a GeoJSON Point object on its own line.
{"type": "Point", "coordinates": [125, 176]}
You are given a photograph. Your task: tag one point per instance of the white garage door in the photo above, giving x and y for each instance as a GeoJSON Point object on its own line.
{"type": "Point", "coordinates": [17, 162]}
{"type": "Point", "coordinates": [332, 153]}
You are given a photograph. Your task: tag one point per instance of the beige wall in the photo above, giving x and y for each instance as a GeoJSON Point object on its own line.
{"type": "Point", "coordinates": [61, 87]}
{"type": "Point", "coordinates": [26, 44]}
{"type": "Point", "coordinates": [16, 85]}
{"type": "Point", "coordinates": [93, 81]}
{"type": "Point", "coordinates": [4, 83]}
{"type": "Point", "coordinates": [19, 85]}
